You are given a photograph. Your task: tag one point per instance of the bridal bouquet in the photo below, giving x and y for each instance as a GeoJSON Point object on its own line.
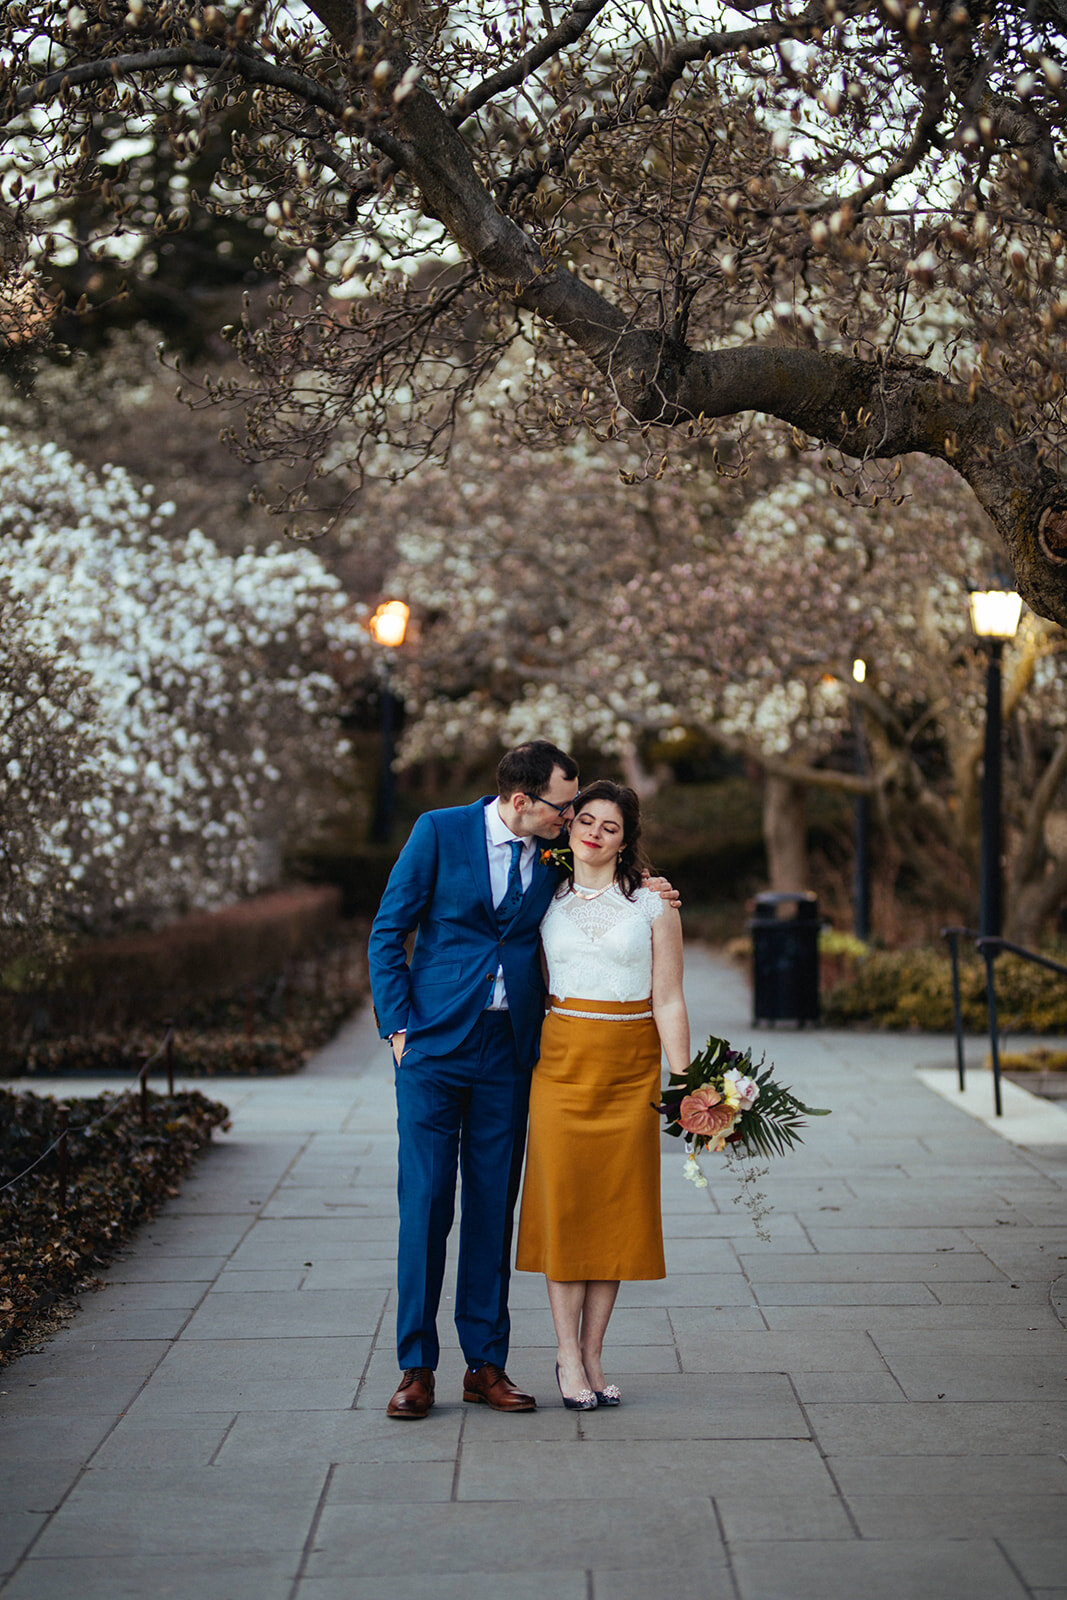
{"type": "Point", "coordinates": [723, 1101]}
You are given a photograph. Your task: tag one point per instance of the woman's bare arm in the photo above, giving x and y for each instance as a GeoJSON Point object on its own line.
{"type": "Point", "coordinates": [668, 1001]}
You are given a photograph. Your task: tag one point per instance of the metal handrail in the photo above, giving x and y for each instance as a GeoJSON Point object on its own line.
{"type": "Point", "coordinates": [989, 946]}
{"type": "Point", "coordinates": [990, 949]}
{"type": "Point", "coordinates": [954, 935]}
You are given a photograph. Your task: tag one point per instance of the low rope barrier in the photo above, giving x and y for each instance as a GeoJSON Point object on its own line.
{"type": "Point", "coordinates": [60, 1141]}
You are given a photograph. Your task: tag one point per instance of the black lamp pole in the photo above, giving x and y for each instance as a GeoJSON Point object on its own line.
{"type": "Point", "coordinates": [383, 815]}
{"type": "Point", "coordinates": [991, 885]}
{"type": "Point", "coordinates": [388, 628]}
{"type": "Point", "coordinates": [861, 870]}
{"type": "Point", "coordinates": [861, 825]}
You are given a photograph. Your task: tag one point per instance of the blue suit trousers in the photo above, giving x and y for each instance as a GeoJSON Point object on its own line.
{"type": "Point", "coordinates": [463, 1112]}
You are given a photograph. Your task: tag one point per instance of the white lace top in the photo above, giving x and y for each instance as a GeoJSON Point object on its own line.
{"type": "Point", "coordinates": [600, 949]}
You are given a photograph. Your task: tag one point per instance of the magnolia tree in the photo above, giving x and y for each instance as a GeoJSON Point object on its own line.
{"type": "Point", "coordinates": [846, 214]}
{"type": "Point", "coordinates": [671, 610]}
{"type": "Point", "coordinates": [47, 748]}
{"type": "Point", "coordinates": [169, 712]}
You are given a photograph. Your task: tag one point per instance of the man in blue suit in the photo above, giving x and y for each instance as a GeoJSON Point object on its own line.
{"type": "Point", "coordinates": [464, 1019]}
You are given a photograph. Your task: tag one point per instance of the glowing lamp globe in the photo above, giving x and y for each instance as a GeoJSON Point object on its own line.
{"type": "Point", "coordinates": [995, 613]}
{"type": "Point", "coordinates": [389, 623]}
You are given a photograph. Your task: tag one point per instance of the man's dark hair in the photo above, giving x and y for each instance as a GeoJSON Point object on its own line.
{"type": "Point", "coordinates": [529, 767]}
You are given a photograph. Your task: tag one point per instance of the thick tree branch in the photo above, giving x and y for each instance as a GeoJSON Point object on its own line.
{"type": "Point", "coordinates": [240, 63]}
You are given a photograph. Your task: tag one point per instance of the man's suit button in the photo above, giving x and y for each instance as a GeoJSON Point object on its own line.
{"type": "Point", "coordinates": [489, 977]}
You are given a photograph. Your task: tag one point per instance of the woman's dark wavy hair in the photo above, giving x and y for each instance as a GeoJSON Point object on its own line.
{"type": "Point", "coordinates": [632, 862]}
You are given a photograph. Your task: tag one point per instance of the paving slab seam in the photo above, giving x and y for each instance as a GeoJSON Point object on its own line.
{"type": "Point", "coordinates": [824, 1456]}
{"type": "Point", "coordinates": [213, 1458]}
{"type": "Point", "coordinates": [1057, 1298]}
{"type": "Point", "coordinates": [727, 1552]}
{"type": "Point", "coordinates": [454, 1493]}
{"type": "Point", "coordinates": [1013, 1565]}
{"type": "Point", "coordinates": [313, 1531]}
{"type": "Point", "coordinates": [885, 1363]}
{"type": "Point", "coordinates": [372, 1348]}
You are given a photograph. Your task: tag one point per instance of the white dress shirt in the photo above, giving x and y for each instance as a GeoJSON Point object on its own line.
{"type": "Point", "coordinates": [499, 839]}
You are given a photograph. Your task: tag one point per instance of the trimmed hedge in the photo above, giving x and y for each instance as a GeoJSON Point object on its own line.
{"type": "Point", "coordinates": [271, 1050]}
{"type": "Point", "coordinates": [144, 977]}
{"type": "Point", "coordinates": [119, 1173]}
{"type": "Point", "coordinates": [913, 989]}
{"type": "Point", "coordinates": [271, 1028]}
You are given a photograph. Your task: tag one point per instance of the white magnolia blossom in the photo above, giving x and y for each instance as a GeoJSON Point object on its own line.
{"type": "Point", "coordinates": [201, 687]}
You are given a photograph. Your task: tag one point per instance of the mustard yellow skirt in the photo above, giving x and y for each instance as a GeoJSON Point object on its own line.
{"type": "Point", "coordinates": [590, 1199]}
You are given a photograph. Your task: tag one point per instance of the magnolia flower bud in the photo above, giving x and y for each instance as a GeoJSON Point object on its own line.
{"type": "Point", "coordinates": [923, 269]}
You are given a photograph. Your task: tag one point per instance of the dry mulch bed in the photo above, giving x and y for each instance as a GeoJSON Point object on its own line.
{"type": "Point", "coordinates": [58, 1228]}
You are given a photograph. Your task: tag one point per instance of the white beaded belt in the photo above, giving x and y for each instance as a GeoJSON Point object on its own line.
{"type": "Point", "coordinates": [602, 1016]}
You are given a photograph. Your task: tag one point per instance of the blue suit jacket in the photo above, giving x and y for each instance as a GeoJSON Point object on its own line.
{"type": "Point", "coordinates": [440, 888]}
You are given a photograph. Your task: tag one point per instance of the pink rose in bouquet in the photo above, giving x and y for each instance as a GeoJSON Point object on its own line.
{"type": "Point", "coordinates": [747, 1090]}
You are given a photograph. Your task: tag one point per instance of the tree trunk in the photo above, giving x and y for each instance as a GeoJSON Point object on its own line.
{"type": "Point", "coordinates": [1034, 904]}
{"type": "Point", "coordinates": [785, 833]}
{"type": "Point", "coordinates": [645, 784]}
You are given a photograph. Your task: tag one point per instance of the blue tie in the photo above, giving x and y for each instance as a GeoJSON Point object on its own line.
{"type": "Point", "coordinates": [513, 892]}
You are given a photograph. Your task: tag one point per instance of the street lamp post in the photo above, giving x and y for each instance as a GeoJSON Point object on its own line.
{"type": "Point", "coordinates": [994, 618]}
{"type": "Point", "coordinates": [861, 829]}
{"type": "Point", "coordinates": [388, 627]}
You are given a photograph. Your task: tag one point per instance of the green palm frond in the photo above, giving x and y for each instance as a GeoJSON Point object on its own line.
{"type": "Point", "coordinates": [772, 1126]}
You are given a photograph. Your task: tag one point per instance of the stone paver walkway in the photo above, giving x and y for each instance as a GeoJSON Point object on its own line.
{"type": "Point", "coordinates": [873, 1404]}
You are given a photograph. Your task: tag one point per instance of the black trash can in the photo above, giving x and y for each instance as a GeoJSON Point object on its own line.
{"type": "Point", "coordinates": [785, 958]}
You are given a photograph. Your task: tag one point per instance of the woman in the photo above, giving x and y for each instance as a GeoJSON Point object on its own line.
{"type": "Point", "coordinates": [590, 1203]}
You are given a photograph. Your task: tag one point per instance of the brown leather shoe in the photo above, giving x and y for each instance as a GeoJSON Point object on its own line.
{"type": "Point", "coordinates": [414, 1397]}
{"type": "Point", "coordinates": [491, 1386]}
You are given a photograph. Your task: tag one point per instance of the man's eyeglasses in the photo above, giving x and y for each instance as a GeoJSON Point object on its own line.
{"type": "Point", "coordinates": [563, 809]}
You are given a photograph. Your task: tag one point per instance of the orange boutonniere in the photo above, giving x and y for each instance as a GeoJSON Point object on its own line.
{"type": "Point", "coordinates": [558, 856]}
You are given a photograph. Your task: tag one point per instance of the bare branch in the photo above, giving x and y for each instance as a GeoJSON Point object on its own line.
{"type": "Point", "coordinates": [567, 32]}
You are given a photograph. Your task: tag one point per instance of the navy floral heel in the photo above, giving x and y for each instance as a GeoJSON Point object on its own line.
{"type": "Point", "coordinates": [586, 1400]}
